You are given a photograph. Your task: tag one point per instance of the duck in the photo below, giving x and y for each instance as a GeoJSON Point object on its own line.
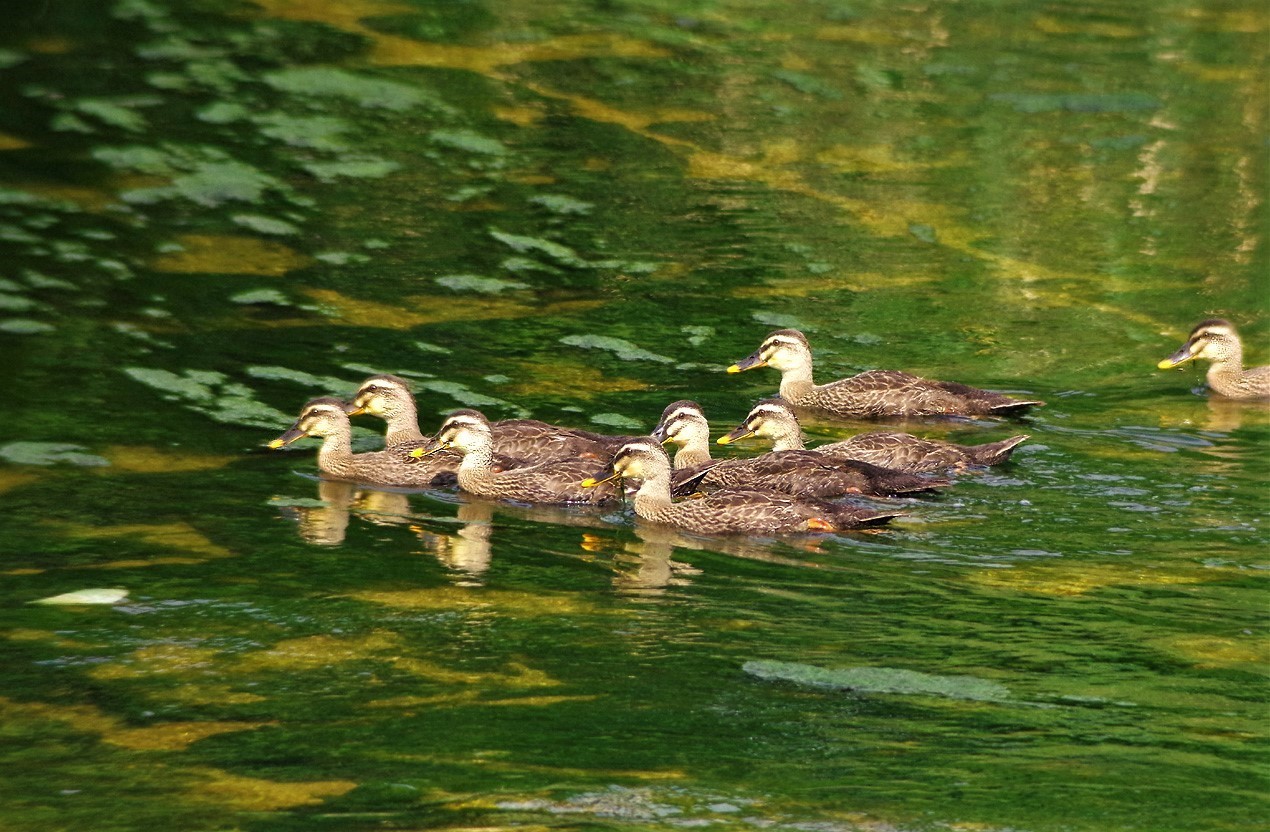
{"type": "Point", "coordinates": [388, 397]}
{"type": "Point", "coordinates": [873, 394]}
{"type": "Point", "coordinates": [798, 472]}
{"type": "Point", "coordinates": [774, 419]}
{"type": "Point", "coordinates": [552, 481]}
{"type": "Point", "coordinates": [1215, 340]}
{"type": "Point", "coordinates": [326, 417]}
{"type": "Point", "coordinates": [747, 511]}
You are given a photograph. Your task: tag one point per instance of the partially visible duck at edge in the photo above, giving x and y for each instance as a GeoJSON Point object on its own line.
{"type": "Point", "coordinates": [798, 472]}
{"type": "Point", "coordinates": [1217, 342]}
{"type": "Point", "coordinates": [468, 432]}
{"type": "Point", "coordinates": [727, 511]}
{"type": "Point", "coordinates": [325, 418]}
{"type": "Point", "coordinates": [873, 394]}
{"type": "Point", "coordinates": [774, 420]}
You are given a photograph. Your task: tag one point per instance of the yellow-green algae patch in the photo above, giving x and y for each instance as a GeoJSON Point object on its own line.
{"type": "Point", "coordinates": [559, 377]}
{"type": "Point", "coordinates": [316, 652]}
{"type": "Point", "coordinates": [1084, 578]}
{"type": "Point", "coordinates": [177, 535]}
{"type": "Point", "coordinates": [49, 637]}
{"type": "Point", "coordinates": [459, 599]}
{"type": "Point", "coordinates": [234, 791]}
{"type": "Point", "coordinates": [1219, 651]}
{"type": "Point", "coordinates": [473, 697]}
{"type": "Point", "coordinates": [229, 254]}
{"type": "Point", "coordinates": [11, 142]}
{"type": "Point", "coordinates": [168, 736]}
{"type": "Point", "coordinates": [141, 459]}
{"type": "Point", "coordinates": [10, 480]}
{"type": "Point", "coordinates": [418, 310]}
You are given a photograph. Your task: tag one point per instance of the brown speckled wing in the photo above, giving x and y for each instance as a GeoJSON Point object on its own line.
{"type": "Point", "coordinates": [899, 451]}
{"type": "Point", "coordinates": [883, 393]}
{"type": "Point", "coordinates": [555, 481]}
{"type": "Point", "coordinates": [813, 474]}
{"type": "Point", "coordinates": [765, 512]}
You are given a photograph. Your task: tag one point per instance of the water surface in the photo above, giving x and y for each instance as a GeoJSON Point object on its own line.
{"type": "Point", "coordinates": [581, 212]}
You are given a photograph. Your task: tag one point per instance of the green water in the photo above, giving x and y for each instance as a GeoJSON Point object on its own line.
{"type": "Point", "coordinates": [210, 212]}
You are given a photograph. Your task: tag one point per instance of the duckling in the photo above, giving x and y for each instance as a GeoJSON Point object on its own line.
{"type": "Point", "coordinates": [727, 511]}
{"type": "Point", "coordinates": [873, 394]}
{"type": "Point", "coordinates": [325, 417]}
{"type": "Point", "coordinates": [389, 398]}
{"type": "Point", "coordinates": [468, 432]}
{"type": "Point", "coordinates": [1215, 340]}
{"type": "Point", "coordinates": [774, 419]}
{"type": "Point", "coordinates": [798, 472]}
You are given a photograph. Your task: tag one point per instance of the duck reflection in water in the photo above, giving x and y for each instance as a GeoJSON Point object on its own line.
{"type": "Point", "coordinates": [325, 524]}
{"type": "Point", "coordinates": [466, 550]}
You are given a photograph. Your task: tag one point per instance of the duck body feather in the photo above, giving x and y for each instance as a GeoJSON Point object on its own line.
{"type": "Point", "coordinates": [553, 482]}
{"type": "Point", "coordinates": [807, 474]}
{"type": "Point", "coordinates": [877, 394]}
{"type": "Point", "coordinates": [761, 512]}
{"type": "Point", "coordinates": [915, 455]}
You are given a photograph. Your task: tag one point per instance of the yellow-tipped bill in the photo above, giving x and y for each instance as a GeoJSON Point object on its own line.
{"type": "Point", "coordinates": [287, 438]}
{"type": "Point", "coordinates": [750, 363]}
{"type": "Point", "coordinates": [1180, 357]}
{"type": "Point", "coordinates": [420, 453]}
{"type": "Point", "coordinates": [592, 482]}
{"type": "Point", "coordinates": [735, 435]}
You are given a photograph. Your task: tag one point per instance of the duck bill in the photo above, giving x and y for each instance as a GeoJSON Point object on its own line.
{"type": "Point", "coordinates": [287, 438]}
{"type": "Point", "coordinates": [354, 408]}
{"type": "Point", "coordinates": [1180, 357]}
{"type": "Point", "coordinates": [753, 362]}
{"type": "Point", "coordinates": [659, 433]}
{"type": "Point", "coordinates": [735, 435]}
{"type": "Point", "coordinates": [427, 450]}
{"type": "Point", "coordinates": [592, 482]}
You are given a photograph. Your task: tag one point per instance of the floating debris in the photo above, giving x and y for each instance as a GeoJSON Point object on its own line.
{"type": "Point", "coordinates": [50, 453]}
{"type": "Point", "coordinates": [86, 596]}
{"type": "Point", "coordinates": [879, 680]}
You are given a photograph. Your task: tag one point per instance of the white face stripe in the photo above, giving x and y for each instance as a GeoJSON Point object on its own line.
{"type": "Point", "coordinates": [769, 411]}
{"type": "Point", "coordinates": [1213, 332]}
{"type": "Point", "coordinates": [684, 418]}
{"type": "Point", "coordinates": [778, 341]}
{"type": "Point", "coordinates": [460, 422]}
{"type": "Point", "coordinates": [384, 387]}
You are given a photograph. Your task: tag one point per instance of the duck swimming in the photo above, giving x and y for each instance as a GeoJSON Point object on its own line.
{"type": "Point", "coordinates": [325, 417]}
{"type": "Point", "coordinates": [873, 394]}
{"type": "Point", "coordinates": [468, 433]}
{"type": "Point", "coordinates": [727, 511]}
{"type": "Point", "coordinates": [774, 419]}
{"type": "Point", "coordinates": [798, 472]}
{"type": "Point", "coordinates": [389, 398]}
{"type": "Point", "coordinates": [1216, 341]}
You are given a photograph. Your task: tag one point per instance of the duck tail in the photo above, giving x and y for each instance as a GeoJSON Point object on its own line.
{"type": "Point", "coordinates": [994, 453]}
{"type": "Point", "coordinates": [1012, 407]}
{"type": "Point", "coordinates": [853, 517]}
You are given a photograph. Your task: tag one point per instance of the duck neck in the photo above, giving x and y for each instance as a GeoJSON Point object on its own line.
{"type": "Point", "coordinates": [788, 441]}
{"type": "Point", "coordinates": [1226, 370]}
{"type": "Point", "coordinates": [652, 500]}
{"type": "Point", "coordinates": [796, 384]}
{"type": "Point", "coordinates": [476, 471]}
{"type": "Point", "coordinates": [403, 425]}
{"type": "Point", "coordinates": [694, 452]}
{"type": "Point", "coordinates": [335, 457]}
